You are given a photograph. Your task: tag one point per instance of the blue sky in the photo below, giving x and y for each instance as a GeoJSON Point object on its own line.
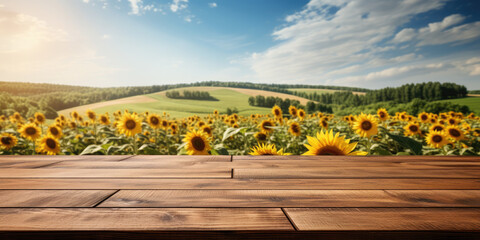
{"type": "Point", "coordinates": [362, 43]}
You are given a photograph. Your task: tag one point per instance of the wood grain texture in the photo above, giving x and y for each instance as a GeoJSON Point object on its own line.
{"type": "Point", "coordinates": [294, 198]}
{"type": "Point", "coordinates": [52, 198]}
{"type": "Point", "coordinates": [26, 164]}
{"type": "Point", "coordinates": [115, 173]}
{"type": "Point", "coordinates": [189, 163]}
{"type": "Point", "coordinates": [133, 219]}
{"type": "Point", "coordinates": [355, 172]}
{"type": "Point", "coordinates": [359, 158]}
{"type": "Point", "coordinates": [64, 157]}
{"type": "Point", "coordinates": [239, 183]}
{"type": "Point", "coordinates": [197, 158]}
{"type": "Point", "coordinates": [385, 219]}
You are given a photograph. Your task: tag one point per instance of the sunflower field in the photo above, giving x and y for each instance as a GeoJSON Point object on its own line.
{"type": "Point", "coordinates": [278, 133]}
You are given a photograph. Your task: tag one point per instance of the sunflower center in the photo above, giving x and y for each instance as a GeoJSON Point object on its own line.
{"type": "Point", "coordinates": [295, 128]}
{"type": "Point", "coordinates": [104, 119]}
{"type": "Point", "coordinates": [329, 150]}
{"type": "Point", "coordinates": [424, 117]}
{"type": "Point", "coordinates": [198, 143]}
{"type": "Point", "coordinates": [277, 112]}
{"type": "Point", "coordinates": [366, 125]}
{"type": "Point", "coordinates": [454, 132]}
{"type": "Point", "coordinates": [154, 120]}
{"type": "Point", "coordinates": [451, 121]}
{"type": "Point", "coordinates": [130, 124]}
{"type": "Point", "coordinates": [31, 131]}
{"type": "Point", "coordinates": [54, 131]}
{"type": "Point", "coordinates": [164, 123]}
{"type": "Point", "coordinates": [324, 123]}
{"type": "Point", "coordinates": [51, 143]}
{"type": "Point", "coordinates": [382, 114]}
{"type": "Point", "coordinates": [207, 130]}
{"type": "Point", "coordinates": [438, 128]}
{"type": "Point", "coordinates": [40, 118]}
{"type": "Point", "coordinates": [6, 140]}
{"type": "Point", "coordinates": [261, 137]}
{"type": "Point", "coordinates": [413, 128]}
{"type": "Point", "coordinates": [437, 138]}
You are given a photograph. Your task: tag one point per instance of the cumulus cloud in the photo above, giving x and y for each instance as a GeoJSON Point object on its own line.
{"type": "Point", "coordinates": [178, 5]}
{"type": "Point", "coordinates": [347, 41]}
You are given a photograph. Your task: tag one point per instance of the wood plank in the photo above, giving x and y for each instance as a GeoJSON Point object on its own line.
{"type": "Point", "coordinates": [115, 173]}
{"type": "Point", "coordinates": [133, 219]}
{"type": "Point", "coordinates": [188, 163]}
{"type": "Point", "coordinates": [239, 183]}
{"type": "Point", "coordinates": [26, 164]}
{"type": "Point", "coordinates": [64, 157]}
{"type": "Point", "coordinates": [385, 219]}
{"type": "Point", "coordinates": [360, 158]}
{"type": "Point", "coordinates": [52, 198]}
{"type": "Point", "coordinates": [355, 172]}
{"type": "Point", "coordinates": [294, 198]}
{"type": "Point", "coordinates": [197, 158]}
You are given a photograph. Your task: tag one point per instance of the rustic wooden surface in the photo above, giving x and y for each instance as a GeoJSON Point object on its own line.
{"type": "Point", "coordinates": [215, 197]}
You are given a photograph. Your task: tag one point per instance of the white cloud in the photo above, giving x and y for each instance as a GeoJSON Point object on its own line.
{"type": "Point", "coordinates": [188, 18]}
{"type": "Point", "coordinates": [135, 6]}
{"type": "Point", "coordinates": [343, 42]}
{"type": "Point", "coordinates": [178, 5]}
{"type": "Point", "coordinates": [212, 5]}
{"type": "Point", "coordinates": [86, 1]}
{"type": "Point", "coordinates": [320, 40]}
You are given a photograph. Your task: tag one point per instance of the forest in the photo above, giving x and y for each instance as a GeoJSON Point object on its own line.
{"type": "Point", "coordinates": [186, 94]}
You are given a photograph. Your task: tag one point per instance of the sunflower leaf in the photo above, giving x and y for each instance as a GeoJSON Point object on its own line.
{"type": "Point", "coordinates": [230, 132]}
{"type": "Point", "coordinates": [409, 143]}
{"type": "Point", "coordinates": [93, 149]}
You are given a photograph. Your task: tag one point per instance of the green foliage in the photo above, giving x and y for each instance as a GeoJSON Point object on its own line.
{"type": "Point", "coordinates": [196, 95]}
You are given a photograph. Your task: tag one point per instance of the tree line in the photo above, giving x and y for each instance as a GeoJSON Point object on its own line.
{"type": "Point", "coordinates": [429, 91]}
{"type": "Point", "coordinates": [284, 104]}
{"type": "Point", "coordinates": [196, 95]}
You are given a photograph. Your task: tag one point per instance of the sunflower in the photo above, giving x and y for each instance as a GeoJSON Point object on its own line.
{"type": "Point", "coordinates": [453, 121]}
{"type": "Point", "coordinates": [174, 128]}
{"type": "Point", "coordinates": [39, 117]}
{"type": "Point", "coordinates": [104, 119]}
{"type": "Point", "coordinates": [49, 145]}
{"type": "Point", "coordinates": [72, 125]}
{"type": "Point", "coordinates": [265, 126]}
{"type": "Point", "coordinates": [197, 143]}
{"type": "Point", "coordinates": [295, 129]}
{"type": "Point", "coordinates": [74, 114]}
{"type": "Point", "coordinates": [215, 112]}
{"type": "Point", "coordinates": [277, 111]}
{"type": "Point", "coordinates": [301, 114]}
{"type": "Point", "coordinates": [130, 124]}
{"type": "Point", "coordinates": [323, 122]}
{"type": "Point", "coordinates": [382, 114]}
{"type": "Point", "coordinates": [207, 129]}
{"type": "Point", "coordinates": [91, 115]}
{"type": "Point", "coordinates": [261, 136]}
{"type": "Point", "coordinates": [437, 139]}
{"type": "Point", "coordinates": [154, 121]}
{"type": "Point", "coordinates": [455, 133]}
{"type": "Point", "coordinates": [437, 127]}
{"type": "Point", "coordinates": [30, 131]}
{"type": "Point", "coordinates": [424, 117]}
{"type": "Point", "coordinates": [293, 111]}
{"type": "Point", "coordinates": [266, 149]}
{"type": "Point", "coordinates": [165, 124]}
{"type": "Point", "coordinates": [8, 140]}
{"type": "Point", "coordinates": [327, 144]}
{"type": "Point", "coordinates": [365, 125]}
{"type": "Point", "coordinates": [412, 129]}
{"type": "Point", "coordinates": [55, 131]}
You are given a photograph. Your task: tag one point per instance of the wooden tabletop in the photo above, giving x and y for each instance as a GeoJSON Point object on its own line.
{"type": "Point", "coordinates": [214, 197]}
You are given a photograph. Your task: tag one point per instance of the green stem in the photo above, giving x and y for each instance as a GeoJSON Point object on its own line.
{"type": "Point", "coordinates": [135, 150]}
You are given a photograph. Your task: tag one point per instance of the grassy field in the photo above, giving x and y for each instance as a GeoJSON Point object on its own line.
{"type": "Point", "coordinates": [472, 102]}
{"type": "Point", "coordinates": [179, 108]}
{"type": "Point", "coordinates": [319, 91]}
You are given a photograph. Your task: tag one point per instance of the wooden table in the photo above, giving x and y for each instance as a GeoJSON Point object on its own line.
{"type": "Point", "coordinates": [238, 197]}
